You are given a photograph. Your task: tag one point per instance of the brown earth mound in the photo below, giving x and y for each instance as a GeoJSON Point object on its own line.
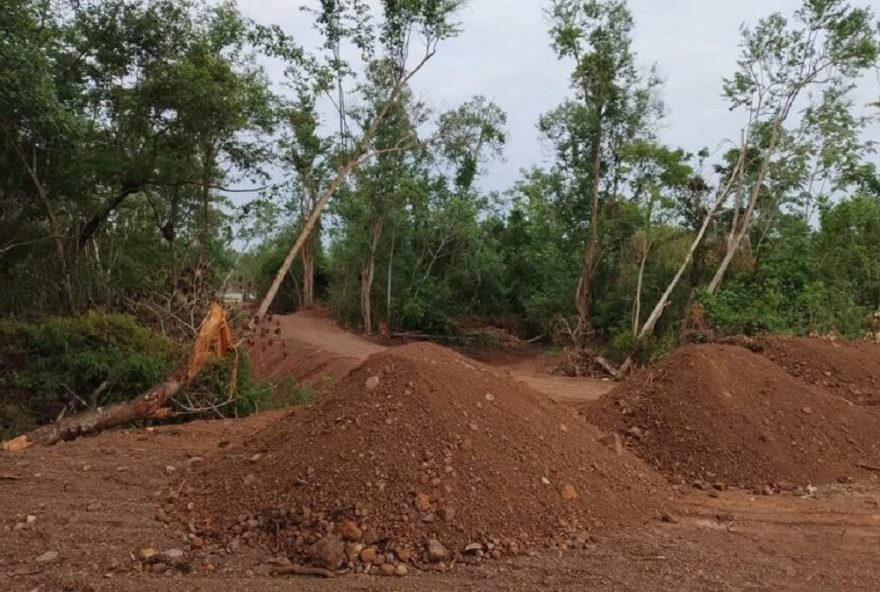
{"type": "Point", "coordinates": [850, 369]}
{"type": "Point", "coordinates": [422, 452]}
{"type": "Point", "coordinates": [720, 413]}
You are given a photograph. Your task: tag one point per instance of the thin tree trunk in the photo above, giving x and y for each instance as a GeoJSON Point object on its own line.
{"type": "Point", "coordinates": [201, 266]}
{"type": "Point", "coordinates": [366, 287]}
{"type": "Point", "coordinates": [649, 325]}
{"type": "Point", "coordinates": [309, 226]}
{"type": "Point", "coordinates": [696, 273]}
{"type": "Point", "coordinates": [637, 313]}
{"type": "Point", "coordinates": [307, 298]}
{"type": "Point", "coordinates": [331, 189]}
{"type": "Point", "coordinates": [368, 274]}
{"type": "Point", "coordinates": [173, 271]}
{"type": "Point", "coordinates": [54, 225]}
{"type": "Point", "coordinates": [168, 228]}
{"type": "Point", "coordinates": [308, 263]}
{"type": "Point", "coordinates": [388, 287]}
{"type": "Point", "coordinates": [588, 267]}
{"type": "Point", "coordinates": [746, 220]}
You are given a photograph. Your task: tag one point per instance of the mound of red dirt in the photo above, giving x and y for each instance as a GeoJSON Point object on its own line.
{"type": "Point", "coordinates": [422, 455]}
{"type": "Point", "coordinates": [721, 413]}
{"type": "Point", "coordinates": [850, 369]}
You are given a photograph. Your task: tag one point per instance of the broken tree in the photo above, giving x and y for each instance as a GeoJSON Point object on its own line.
{"type": "Point", "coordinates": [214, 333]}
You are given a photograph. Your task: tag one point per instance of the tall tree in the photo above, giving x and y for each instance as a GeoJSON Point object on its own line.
{"type": "Point", "coordinates": [828, 42]}
{"type": "Point", "coordinates": [309, 156]}
{"type": "Point", "coordinates": [434, 22]}
{"type": "Point", "coordinates": [614, 104]}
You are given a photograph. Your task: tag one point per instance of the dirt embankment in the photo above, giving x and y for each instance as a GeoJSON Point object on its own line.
{"type": "Point", "coordinates": [723, 414]}
{"type": "Point", "coordinates": [416, 454]}
{"type": "Point", "coordinates": [308, 348]}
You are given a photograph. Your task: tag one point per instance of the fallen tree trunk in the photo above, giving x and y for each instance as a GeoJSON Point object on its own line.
{"type": "Point", "coordinates": [148, 405]}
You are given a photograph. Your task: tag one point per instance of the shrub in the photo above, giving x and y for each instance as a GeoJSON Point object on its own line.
{"type": "Point", "coordinates": [208, 395]}
{"type": "Point", "coordinates": [79, 362]}
{"type": "Point", "coordinates": [97, 359]}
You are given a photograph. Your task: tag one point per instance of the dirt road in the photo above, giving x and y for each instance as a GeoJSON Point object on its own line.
{"type": "Point", "coordinates": [317, 348]}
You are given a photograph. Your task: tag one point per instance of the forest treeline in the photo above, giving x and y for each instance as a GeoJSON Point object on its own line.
{"type": "Point", "coordinates": [150, 162]}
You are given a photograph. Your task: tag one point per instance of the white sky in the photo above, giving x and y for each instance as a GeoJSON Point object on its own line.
{"type": "Point", "coordinates": [504, 54]}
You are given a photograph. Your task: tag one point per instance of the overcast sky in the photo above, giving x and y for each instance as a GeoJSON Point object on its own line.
{"type": "Point", "coordinates": [505, 55]}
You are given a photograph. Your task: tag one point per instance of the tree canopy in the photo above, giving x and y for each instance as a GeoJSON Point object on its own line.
{"type": "Point", "coordinates": [151, 163]}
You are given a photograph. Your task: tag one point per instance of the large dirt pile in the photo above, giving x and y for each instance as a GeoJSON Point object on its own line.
{"type": "Point", "coordinates": [418, 453]}
{"type": "Point", "coordinates": [721, 413]}
{"type": "Point", "coordinates": [850, 369]}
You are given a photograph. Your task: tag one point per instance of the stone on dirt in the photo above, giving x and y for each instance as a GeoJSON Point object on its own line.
{"type": "Point", "coordinates": [435, 551]}
{"type": "Point", "coordinates": [423, 502]}
{"type": "Point", "coordinates": [330, 552]}
{"type": "Point", "coordinates": [569, 493]}
{"type": "Point", "coordinates": [48, 557]}
{"type": "Point", "coordinates": [446, 514]}
{"type": "Point", "coordinates": [351, 532]}
{"type": "Point", "coordinates": [368, 555]}
{"type": "Point", "coordinates": [386, 569]}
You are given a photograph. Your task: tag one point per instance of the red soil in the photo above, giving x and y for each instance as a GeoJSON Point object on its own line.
{"type": "Point", "coordinates": [721, 413]}
{"type": "Point", "coordinates": [443, 447]}
{"type": "Point", "coordinates": [306, 347]}
{"type": "Point", "coordinates": [850, 369]}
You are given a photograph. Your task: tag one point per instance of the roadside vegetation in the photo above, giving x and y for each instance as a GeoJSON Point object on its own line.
{"type": "Point", "coordinates": [150, 164]}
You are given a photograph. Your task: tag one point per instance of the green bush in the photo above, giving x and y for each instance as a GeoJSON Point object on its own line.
{"type": "Point", "coordinates": [79, 362]}
{"type": "Point", "coordinates": [208, 395]}
{"type": "Point", "coordinates": [288, 393]}
{"type": "Point", "coordinates": [643, 351]}
{"type": "Point", "coordinates": [740, 309]}
{"type": "Point", "coordinates": [96, 359]}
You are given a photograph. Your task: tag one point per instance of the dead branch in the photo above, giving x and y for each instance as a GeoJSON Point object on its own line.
{"type": "Point", "coordinates": [606, 365]}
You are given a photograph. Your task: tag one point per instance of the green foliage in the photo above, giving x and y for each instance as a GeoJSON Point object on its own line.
{"type": "Point", "coordinates": [644, 351]}
{"type": "Point", "coordinates": [120, 119]}
{"type": "Point", "coordinates": [79, 362]}
{"type": "Point", "coordinates": [808, 280]}
{"type": "Point", "coordinates": [125, 122]}
{"type": "Point", "coordinates": [288, 393]}
{"type": "Point", "coordinates": [208, 395]}
{"type": "Point", "coordinates": [738, 310]}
